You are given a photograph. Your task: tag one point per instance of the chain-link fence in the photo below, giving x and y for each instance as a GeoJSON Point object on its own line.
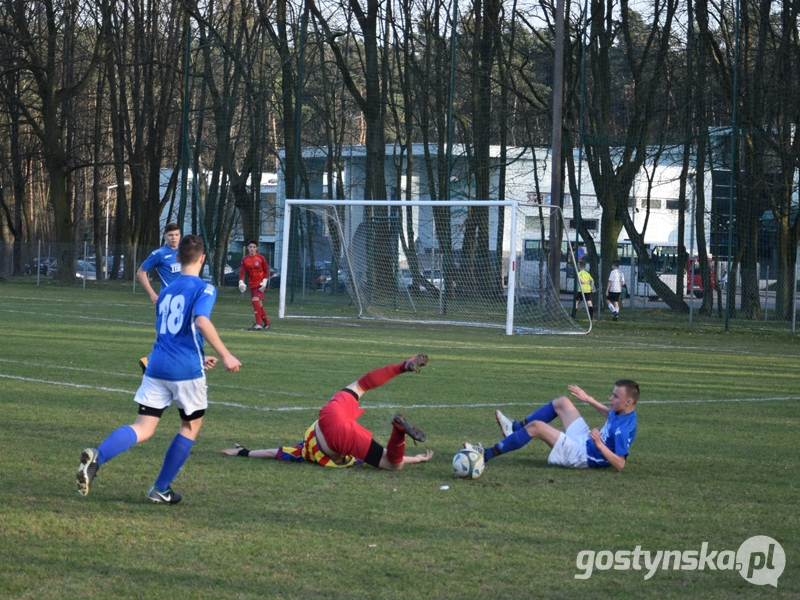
{"type": "Point", "coordinates": [639, 302]}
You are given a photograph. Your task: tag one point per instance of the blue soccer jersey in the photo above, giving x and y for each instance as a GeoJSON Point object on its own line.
{"type": "Point", "coordinates": [165, 260]}
{"type": "Point", "coordinates": [178, 352]}
{"type": "Point", "coordinates": [618, 434]}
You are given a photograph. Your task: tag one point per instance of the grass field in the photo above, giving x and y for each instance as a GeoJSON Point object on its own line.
{"type": "Point", "coordinates": [715, 460]}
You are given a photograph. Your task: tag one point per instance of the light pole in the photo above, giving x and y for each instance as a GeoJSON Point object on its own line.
{"type": "Point", "coordinates": [108, 200]}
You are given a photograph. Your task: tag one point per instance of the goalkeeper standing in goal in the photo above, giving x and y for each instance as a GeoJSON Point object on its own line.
{"type": "Point", "coordinates": [257, 269]}
{"type": "Point", "coordinates": [337, 440]}
{"type": "Point", "coordinates": [176, 373]}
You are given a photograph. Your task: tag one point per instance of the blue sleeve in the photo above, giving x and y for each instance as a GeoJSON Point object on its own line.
{"type": "Point", "coordinates": [621, 443]}
{"type": "Point", "coordinates": [205, 302]}
{"type": "Point", "coordinates": [151, 261]}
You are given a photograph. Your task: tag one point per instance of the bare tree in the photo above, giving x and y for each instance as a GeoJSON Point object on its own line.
{"type": "Point", "coordinates": [40, 31]}
{"type": "Point", "coordinates": [613, 173]}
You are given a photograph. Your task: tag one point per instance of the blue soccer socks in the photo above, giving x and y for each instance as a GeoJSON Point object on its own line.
{"type": "Point", "coordinates": [115, 444]}
{"type": "Point", "coordinates": [177, 454]}
{"type": "Point", "coordinates": [546, 414]}
{"type": "Point", "coordinates": [515, 441]}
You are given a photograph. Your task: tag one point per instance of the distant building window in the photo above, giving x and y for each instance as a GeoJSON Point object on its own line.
{"type": "Point", "coordinates": [591, 224]}
{"type": "Point", "coordinates": [535, 198]}
{"type": "Point", "coordinates": [534, 250]}
{"type": "Point", "coordinates": [534, 222]}
{"type": "Point", "coordinates": [653, 203]}
{"type": "Point", "coordinates": [268, 213]}
{"type": "Point", "coordinates": [673, 204]}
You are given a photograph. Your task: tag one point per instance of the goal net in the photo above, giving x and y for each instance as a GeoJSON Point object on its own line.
{"type": "Point", "coordinates": [431, 262]}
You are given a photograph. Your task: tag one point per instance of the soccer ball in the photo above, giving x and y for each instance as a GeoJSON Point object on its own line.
{"type": "Point", "coordinates": [468, 463]}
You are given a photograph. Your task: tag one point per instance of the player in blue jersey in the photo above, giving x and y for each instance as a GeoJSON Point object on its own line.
{"type": "Point", "coordinates": [576, 447]}
{"type": "Point", "coordinates": [175, 373]}
{"type": "Point", "coordinates": [165, 261]}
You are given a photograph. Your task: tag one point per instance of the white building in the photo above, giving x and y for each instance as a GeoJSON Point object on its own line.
{"type": "Point", "coordinates": [525, 169]}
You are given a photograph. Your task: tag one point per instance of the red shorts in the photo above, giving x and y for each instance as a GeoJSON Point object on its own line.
{"type": "Point", "coordinates": [256, 294]}
{"type": "Point", "coordinates": [338, 424]}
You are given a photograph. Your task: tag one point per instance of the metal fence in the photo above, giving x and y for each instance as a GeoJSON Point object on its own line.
{"type": "Point", "coordinates": [39, 262]}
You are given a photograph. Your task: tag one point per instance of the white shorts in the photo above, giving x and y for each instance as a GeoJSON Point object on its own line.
{"type": "Point", "coordinates": [570, 449]}
{"type": "Point", "coordinates": [190, 395]}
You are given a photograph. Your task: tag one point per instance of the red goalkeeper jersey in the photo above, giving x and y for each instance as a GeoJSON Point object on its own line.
{"type": "Point", "coordinates": [257, 269]}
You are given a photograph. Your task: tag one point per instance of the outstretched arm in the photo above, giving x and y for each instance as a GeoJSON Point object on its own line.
{"type": "Point", "coordinates": [579, 394]}
{"type": "Point", "coordinates": [268, 453]}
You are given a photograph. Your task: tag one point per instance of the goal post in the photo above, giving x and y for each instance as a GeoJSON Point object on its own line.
{"type": "Point", "coordinates": [471, 263]}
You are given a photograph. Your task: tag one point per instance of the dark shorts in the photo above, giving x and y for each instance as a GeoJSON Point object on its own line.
{"type": "Point", "coordinates": [256, 294]}
{"type": "Point", "coordinates": [613, 296]}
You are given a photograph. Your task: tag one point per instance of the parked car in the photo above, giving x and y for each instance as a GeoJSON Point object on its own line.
{"type": "Point", "coordinates": [327, 285]}
{"type": "Point", "coordinates": [48, 266]}
{"type": "Point", "coordinates": [85, 268]}
{"type": "Point", "coordinates": [404, 279]}
{"type": "Point", "coordinates": [111, 265]}
{"type": "Point", "coordinates": [321, 276]}
{"type": "Point", "coordinates": [434, 276]}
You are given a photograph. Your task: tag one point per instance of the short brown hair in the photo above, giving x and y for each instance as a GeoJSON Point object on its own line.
{"type": "Point", "coordinates": [253, 242]}
{"type": "Point", "coordinates": [631, 388]}
{"type": "Point", "coordinates": [190, 249]}
{"type": "Point", "coordinates": [171, 227]}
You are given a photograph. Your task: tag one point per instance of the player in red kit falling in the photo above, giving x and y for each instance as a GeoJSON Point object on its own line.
{"type": "Point", "coordinates": [257, 269]}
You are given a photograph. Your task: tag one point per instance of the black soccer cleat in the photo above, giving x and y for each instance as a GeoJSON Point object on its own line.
{"type": "Point", "coordinates": [413, 364]}
{"type": "Point", "coordinates": [86, 470]}
{"type": "Point", "coordinates": [415, 433]}
{"type": "Point", "coordinates": [168, 497]}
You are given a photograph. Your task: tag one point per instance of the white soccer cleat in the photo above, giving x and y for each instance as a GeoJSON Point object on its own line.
{"type": "Point", "coordinates": [474, 447]}
{"type": "Point", "coordinates": [86, 470]}
{"type": "Point", "coordinates": [506, 424]}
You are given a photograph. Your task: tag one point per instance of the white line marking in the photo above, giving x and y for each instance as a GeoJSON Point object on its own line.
{"type": "Point", "coordinates": [66, 384]}
{"type": "Point", "coordinates": [62, 316]}
{"type": "Point", "coordinates": [385, 406]}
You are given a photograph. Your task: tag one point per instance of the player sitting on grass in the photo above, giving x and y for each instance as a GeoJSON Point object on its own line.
{"type": "Point", "coordinates": [175, 373]}
{"type": "Point", "coordinates": [337, 440]}
{"type": "Point", "coordinates": [576, 447]}
{"type": "Point", "coordinates": [257, 269]}
{"type": "Point", "coordinates": [165, 261]}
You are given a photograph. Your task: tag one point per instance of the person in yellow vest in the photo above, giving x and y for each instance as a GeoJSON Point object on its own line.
{"type": "Point", "coordinates": [587, 287]}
